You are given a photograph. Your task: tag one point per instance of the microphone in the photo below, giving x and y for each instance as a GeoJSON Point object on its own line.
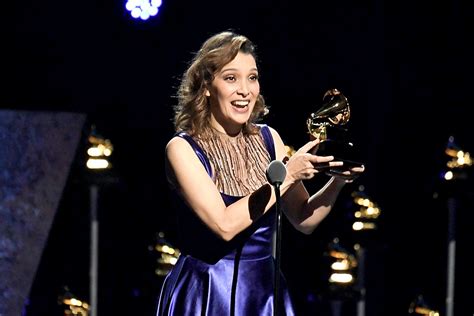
{"type": "Point", "coordinates": [276, 173]}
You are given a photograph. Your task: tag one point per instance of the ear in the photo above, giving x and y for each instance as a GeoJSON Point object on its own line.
{"type": "Point", "coordinates": [207, 93]}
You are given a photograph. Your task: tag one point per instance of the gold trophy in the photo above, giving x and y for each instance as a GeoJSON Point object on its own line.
{"type": "Point", "coordinates": [327, 124]}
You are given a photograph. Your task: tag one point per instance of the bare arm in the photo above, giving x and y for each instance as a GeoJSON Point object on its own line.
{"type": "Point", "coordinates": [303, 210]}
{"type": "Point", "coordinates": [202, 195]}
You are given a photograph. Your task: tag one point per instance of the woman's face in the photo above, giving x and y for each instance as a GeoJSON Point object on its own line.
{"type": "Point", "coordinates": [233, 93]}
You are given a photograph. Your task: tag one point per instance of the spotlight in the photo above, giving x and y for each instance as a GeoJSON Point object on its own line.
{"type": "Point", "coordinates": [143, 9]}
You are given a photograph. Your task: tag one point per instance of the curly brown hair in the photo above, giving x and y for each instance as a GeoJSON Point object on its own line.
{"type": "Point", "coordinates": [192, 113]}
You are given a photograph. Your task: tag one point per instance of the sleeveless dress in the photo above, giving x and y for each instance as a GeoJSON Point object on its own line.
{"type": "Point", "coordinates": [214, 277]}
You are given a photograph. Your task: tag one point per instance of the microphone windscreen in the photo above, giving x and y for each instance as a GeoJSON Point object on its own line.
{"type": "Point", "coordinates": [276, 172]}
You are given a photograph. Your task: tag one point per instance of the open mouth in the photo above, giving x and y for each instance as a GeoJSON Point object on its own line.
{"type": "Point", "coordinates": [240, 104]}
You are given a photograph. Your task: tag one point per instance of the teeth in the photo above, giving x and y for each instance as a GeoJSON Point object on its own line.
{"type": "Point", "coordinates": [240, 103]}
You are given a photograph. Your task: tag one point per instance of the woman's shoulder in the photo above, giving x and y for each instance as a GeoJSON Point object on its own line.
{"type": "Point", "coordinates": [181, 136]}
{"type": "Point", "coordinates": [182, 143]}
{"type": "Point", "coordinates": [272, 130]}
{"type": "Point", "coordinates": [262, 126]}
{"type": "Point", "coordinates": [177, 142]}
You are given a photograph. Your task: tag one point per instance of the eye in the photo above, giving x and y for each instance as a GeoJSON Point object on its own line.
{"type": "Point", "coordinates": [229, 78]}
{"type": "Point", "coordinates": [253, 77]}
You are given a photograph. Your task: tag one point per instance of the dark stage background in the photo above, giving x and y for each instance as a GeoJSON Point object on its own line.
{"type": "Point", "coordinates": [405, 67]}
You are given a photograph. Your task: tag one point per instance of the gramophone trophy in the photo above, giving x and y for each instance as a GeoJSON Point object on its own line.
{"type": "Point", "coordinates": [327, 124]}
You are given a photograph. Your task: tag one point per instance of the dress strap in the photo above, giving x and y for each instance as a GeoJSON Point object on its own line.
{"type": "Point", "coordinates": [268, 139]}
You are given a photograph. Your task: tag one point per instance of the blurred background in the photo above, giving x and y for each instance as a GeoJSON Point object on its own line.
{"type": "Point", "coordinates": [401, 232]}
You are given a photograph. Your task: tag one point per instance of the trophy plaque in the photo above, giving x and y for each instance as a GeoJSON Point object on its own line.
{"type": "Point", "coordinates": [328, 125]}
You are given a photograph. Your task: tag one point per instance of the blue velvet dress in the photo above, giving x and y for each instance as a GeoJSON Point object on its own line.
{"type": "Point", "coordinates": [217, 278]}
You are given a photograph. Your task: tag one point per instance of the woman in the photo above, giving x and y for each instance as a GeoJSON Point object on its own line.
{"type": "Point", "coordinates": [216, 164]}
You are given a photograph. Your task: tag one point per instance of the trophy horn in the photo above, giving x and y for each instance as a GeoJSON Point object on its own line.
{"type": "Point", "coordinates": [335, 112]}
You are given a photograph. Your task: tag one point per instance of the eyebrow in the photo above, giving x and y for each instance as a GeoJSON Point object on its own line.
{"type": "Point", "coordinates": [235, 69]}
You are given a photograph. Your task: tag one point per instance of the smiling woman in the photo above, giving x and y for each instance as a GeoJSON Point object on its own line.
{"type": "Point", "coordinates": [216, 166]}
{"type": "Point", "coordinates": [233, 93]}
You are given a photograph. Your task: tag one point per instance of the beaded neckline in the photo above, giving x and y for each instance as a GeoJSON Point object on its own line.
{"type": "Point", "coordinates": [238, 162]}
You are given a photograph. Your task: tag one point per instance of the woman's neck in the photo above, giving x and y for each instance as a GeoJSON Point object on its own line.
{"type": "Point", "coordinates": [229, 131]}
{"type": "Point", "coordinates": [223, 132]}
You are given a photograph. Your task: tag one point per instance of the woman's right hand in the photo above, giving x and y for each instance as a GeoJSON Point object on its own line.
{"type": "Point", "coordinates": [303, 165]}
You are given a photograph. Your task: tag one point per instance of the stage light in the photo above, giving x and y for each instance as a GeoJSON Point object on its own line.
{"type": "Point", "coordinates": [99, 151]}
{"type": "Point", "coordinates": [367, 213]}
{"type": "Point", "coordinates": [341, 278]}
{"type": "Point", "coordinates": [72, 305]}
{"type": "Point", "coordinates": [420, 307]}
{"type": "Point", "coordinates": [459, 157]}
{"type": "Point", "coordinates": [342, 264]}
{"type": "Point", "coordinates": [167, 255]}
{"type": "Point", "coordinates": [143, 9]}
{"type": "Point", "coordinates": [454, 186]}
{"type": "Point", "coordinates": [460, 161]}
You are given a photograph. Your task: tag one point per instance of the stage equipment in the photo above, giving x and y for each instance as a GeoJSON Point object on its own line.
{"type": "Point", "coordinates": [167, 255]}
{"type": "Point", "coordinates": [276, 173]}
{"type": "Point", "coordinates": [459, 163]}
{"type": "Point", "coordinates": [341, 277]}
{"type": "Point", "coordinates": [367, 214]}
{"type": "Point", "coordinates": [342, 264]}
{"type": "Point", "coordinates": [454, 178]}
{"type": "Point", "coordinates": [73, 306]}
{"type": "Point", "coordinates": [365, 222]}
{"type": "Point", "coordinates": [327, 124]}
{"type": "Point", "coordinates": [99, 151]}
{"type": "Point", "coordinates": [419, 307]}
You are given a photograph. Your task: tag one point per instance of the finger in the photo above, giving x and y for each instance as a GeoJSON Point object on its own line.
{"type": "Point", "coordinates": [358, 169]}
{"type": "Point", "coordinates": [327, 164]}
{"type": "Point", "coordinates": [307, 147]}
{"type": "Point", "coordinates": [323, 159]}
{"type": "Point", "coordinates": [311, 174]}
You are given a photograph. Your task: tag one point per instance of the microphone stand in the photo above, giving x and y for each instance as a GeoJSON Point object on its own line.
{"type": "Point", "coordinates": [276, 174]}
{"type": "Point", "coordinates": [276, 296]}
{"type": "Point", "coordinates": [451, 256]}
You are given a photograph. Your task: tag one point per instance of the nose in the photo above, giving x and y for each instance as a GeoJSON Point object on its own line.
{"type": "Point", "coordinates": [243, 89]}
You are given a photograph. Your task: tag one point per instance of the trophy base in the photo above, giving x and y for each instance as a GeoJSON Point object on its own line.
{"type": "Point", "coordinates": [342, 151]}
